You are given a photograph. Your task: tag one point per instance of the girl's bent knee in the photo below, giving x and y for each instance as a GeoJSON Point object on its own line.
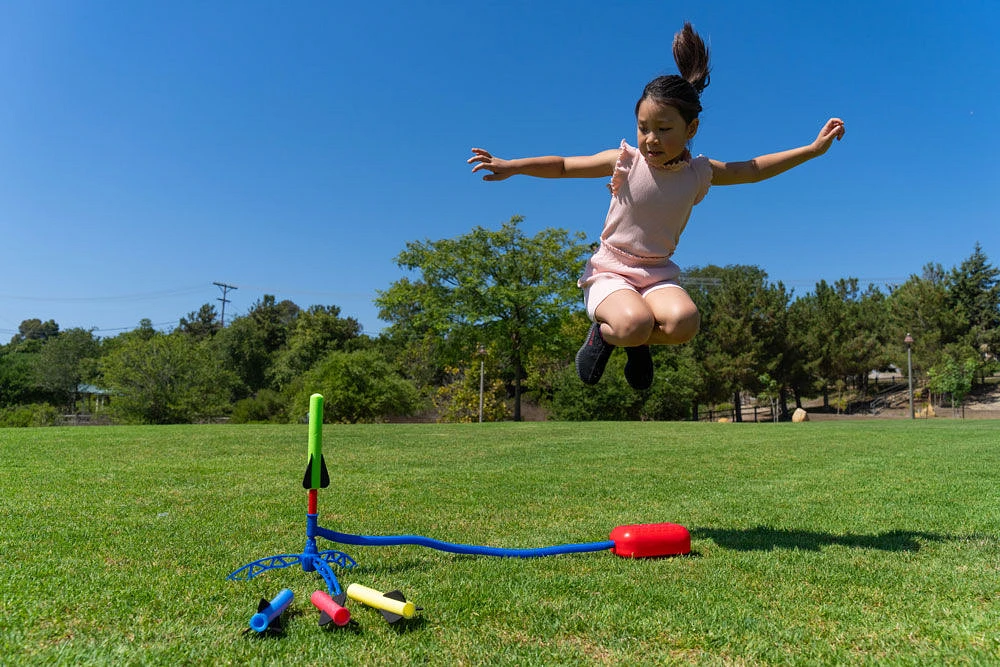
{"type": "Point", "coordinates": [680, 331]}
{"type": "Point", "coordinates": [630, 329]}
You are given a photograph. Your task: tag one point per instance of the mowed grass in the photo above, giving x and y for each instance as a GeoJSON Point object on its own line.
{"type": "Point", "coordinates": [866, 542]}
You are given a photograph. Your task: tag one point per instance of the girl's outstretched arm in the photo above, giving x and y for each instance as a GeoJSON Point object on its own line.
{"type": "Point", "coordinates": [549, 166]}
{"type": "Point", "coordinates": [766, 166]}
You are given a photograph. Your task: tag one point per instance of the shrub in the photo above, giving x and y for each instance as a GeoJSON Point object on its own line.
{"type": "Point", "coordinates": [265, 406]}
{"type": "Point", "coordinates": [23, 416]}
{"type": "Point", "coordinates": [458, 401]}
{"type": "Point", "coordinates": [357, 387]}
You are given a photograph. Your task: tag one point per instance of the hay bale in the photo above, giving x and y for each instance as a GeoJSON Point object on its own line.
{"type": "Point", "coordinates": [800, 416]}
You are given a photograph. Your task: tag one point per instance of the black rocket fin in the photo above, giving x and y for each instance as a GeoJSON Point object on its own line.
{"type": "Point", "coordinates": [325, 618]}
{"type": "Point", "coordinates": [324, 475]}
{"type": "Point", "coordinates": [389, 616]}
{"type": "Point", "coordinates": [276, 623]}
{"type": "Point", "coordinates": [307, 479]}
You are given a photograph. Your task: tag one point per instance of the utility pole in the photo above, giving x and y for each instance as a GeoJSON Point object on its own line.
{"type": "Point", "coordinates": [225, 289]}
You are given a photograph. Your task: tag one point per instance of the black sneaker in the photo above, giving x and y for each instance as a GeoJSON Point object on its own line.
{"type": "Point", "coordinates": [593, 356]}
{"type": "Point", "coordinates": [639, 367]}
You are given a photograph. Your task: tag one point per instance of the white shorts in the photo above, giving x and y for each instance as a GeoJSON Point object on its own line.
{"type": "Point", "coordinates": [606, 272]}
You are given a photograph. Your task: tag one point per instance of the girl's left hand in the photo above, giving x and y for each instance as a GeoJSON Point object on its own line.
{"type": "Point", "coordinates": [834, 129]}
{"type": "Point", "coordinates": [501, 168]}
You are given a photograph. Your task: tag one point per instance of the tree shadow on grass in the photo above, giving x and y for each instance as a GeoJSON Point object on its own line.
{"type": "Point", "coordinates": [762, 538]}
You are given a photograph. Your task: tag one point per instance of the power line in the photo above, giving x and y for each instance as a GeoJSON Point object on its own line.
{"type": "Point", "coordinates": [143, 296]}
{"type": "Point", "coordinates": [225, 289]}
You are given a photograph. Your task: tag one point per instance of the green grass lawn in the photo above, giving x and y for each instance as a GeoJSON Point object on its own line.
{"type": "Point", "coordinates": [832, 542]}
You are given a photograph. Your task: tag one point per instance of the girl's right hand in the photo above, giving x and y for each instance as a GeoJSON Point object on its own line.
{"type": "Point", "coordinates": [484, 160]}
{"type": "Point", "coordinates": [833, 129]}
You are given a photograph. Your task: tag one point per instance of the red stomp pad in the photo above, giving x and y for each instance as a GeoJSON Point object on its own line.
{"type": "Point", "coordinates": [647, 540]}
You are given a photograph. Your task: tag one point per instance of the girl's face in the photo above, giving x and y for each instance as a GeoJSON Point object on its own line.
{"type": "Point", "coordinates": [662, 134]}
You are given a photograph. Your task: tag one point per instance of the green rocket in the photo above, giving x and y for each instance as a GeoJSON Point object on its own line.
{"type": "Point", "coordinates": [316, 476]}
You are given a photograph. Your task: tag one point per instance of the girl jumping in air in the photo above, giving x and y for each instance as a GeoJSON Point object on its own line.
{"type": "Point", "coordinates": [630, 283]}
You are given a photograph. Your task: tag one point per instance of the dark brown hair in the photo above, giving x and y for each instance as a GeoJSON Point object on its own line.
{"type": "Point", "coordinates": [682, 92]}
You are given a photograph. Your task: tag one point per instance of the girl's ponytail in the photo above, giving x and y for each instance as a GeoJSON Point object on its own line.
{"type": "Point", "coordinates": [691, 56]}
{"type": "Point", "coordinates": [682, 92]}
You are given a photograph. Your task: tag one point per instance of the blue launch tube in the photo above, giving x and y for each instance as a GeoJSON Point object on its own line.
{"type": "Point", "coordinates": [263, 618]}
{"type": "Point", "coordinates": [469, 549]}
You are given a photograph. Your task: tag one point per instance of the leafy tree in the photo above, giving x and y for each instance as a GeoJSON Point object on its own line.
{"type": "Point", "coordinates": [458, 400]}
{"type": "Point", "coordinates": [357, 387]}
{"type": "Point", "coordinates": [312, 334]}
{"type": "Point", "coordinates": [66, 360]}
{"type": "Point", "coordinates": [842, 333]}
{"type": "Point", "coordinates": [17, 376]}
{"type": "Point", "coordinates": [501, 288]}
{"type": "Point", "coordinates": [273, 320]}
{"type": "Point", "coordinates": [202, 324]}
{"type": "Point", "coordinates": [416, 357]}
{"type": "Point", "coordinates": [743, 330]}
{"type": "Point", "coordinates": [165, 379]}
{"type": "Point", "coordinates": [674, 393]}
{"type": "Point", "coordinates": [250, 344]}
{"type": "Point", "coordinates": [974, 292]}
{"type": "Point", "coordinates": [35, 329]}
{"type": "Point", "coordinates": [921, 307]}
{"type": "Point", "coordinates": [769, 391]}
{"type": "Point", "coordinates": [548, 361]}
{"type": "Point", "coordinates": [243, 351]}
{"type": "Point", "coordinates": [610, 400]}
{"type": "Point", "coordinates": [953, 376]}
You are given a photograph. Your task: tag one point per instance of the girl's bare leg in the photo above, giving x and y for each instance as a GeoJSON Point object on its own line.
{"type": "Point", "coordinates": [676, 316]}
{"type": "Point", "coordinates": [626, 319]}
{"type": "Point", "coordinates": [622, 319]}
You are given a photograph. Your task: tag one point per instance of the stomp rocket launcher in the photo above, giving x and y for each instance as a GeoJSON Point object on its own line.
{"type": "Point", "coordinates": [647, 540]}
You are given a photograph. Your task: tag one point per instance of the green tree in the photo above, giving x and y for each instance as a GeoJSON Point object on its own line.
{"type": "Point", "coordinates": [273, 320]}
{"type": "Point", "coordinates": [165, 379]}
{"type": "Point", "coordinates": [974, 292]}
{"type": "Point", "coordinates": [17, 376]}
{"type": "Point", "coordinates": [244, 353]}
{"type": "Point", "coordinates": [921, 307]}
{"type": "Point", "coordinates": [35, 329]}
{"type": "Point", "coordinates": [500, 288]}
{"type": "Point", "coordinates": [66, 360]}
{"type": "Point", "coordinates": [250, 344]}
{"type": "Point", "coordinates": [550, 359]}
{"type": "Point", "coordinates": [357, 387]}
{"type": "Point", "coordinates": [458, 399]}
{"type": "Point", "coordinates": [953, 376]}
{"type": "Point", "coordinates": [202, 324]}
{"type": "Point", "coordinates": [312, 334]}
{"type": "Point", "coordinates": [842, 333]}
{"type": "Point", "coordinates": [610, 400]}
{"type": "Point", "coordinates": [674, 393]}
{"type": "Point", "coordinates": [743, 330]}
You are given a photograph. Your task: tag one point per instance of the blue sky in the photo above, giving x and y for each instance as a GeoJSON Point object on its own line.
{"type": "Point", "coordinates": [149, 149]}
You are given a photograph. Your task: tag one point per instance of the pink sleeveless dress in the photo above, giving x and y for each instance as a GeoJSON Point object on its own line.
{"type": "Point", "coordinates": [649, 209]}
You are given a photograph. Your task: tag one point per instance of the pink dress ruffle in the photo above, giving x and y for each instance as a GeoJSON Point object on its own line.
{"type": "Point", "coordinates": [626, 158]}
{"type": "Point", "coordinates": [622, 165]}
